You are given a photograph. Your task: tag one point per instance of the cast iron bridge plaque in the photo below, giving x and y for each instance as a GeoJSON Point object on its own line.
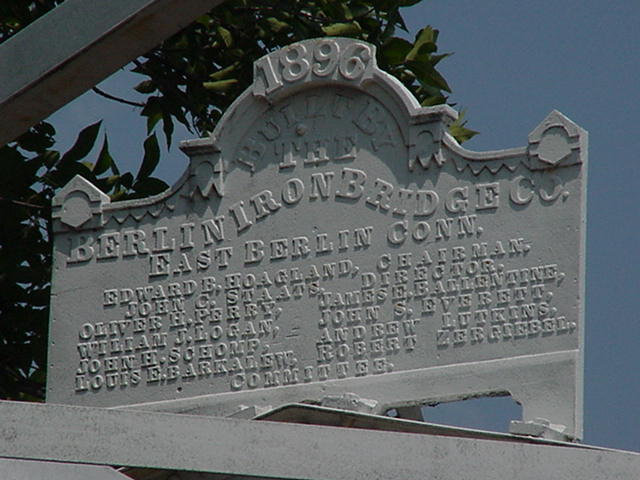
{"type": "Point", "coordinates": [330, 237]}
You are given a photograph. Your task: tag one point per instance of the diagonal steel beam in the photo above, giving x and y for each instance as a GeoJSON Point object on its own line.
{"type": "Point", "coordinates": [75, 46]}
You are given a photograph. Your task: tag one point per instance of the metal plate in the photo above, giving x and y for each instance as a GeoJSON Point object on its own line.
{"type": "Point", "coordinates": [330, 237]}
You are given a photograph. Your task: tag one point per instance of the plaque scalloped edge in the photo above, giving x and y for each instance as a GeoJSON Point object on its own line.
{"type": "Point", "coordinates": [555, 144]}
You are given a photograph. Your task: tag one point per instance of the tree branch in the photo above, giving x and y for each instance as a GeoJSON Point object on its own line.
{"type": "Point", "coordinates": [21, 203]}
{"type": "Point", "coordinates": [117, 99]}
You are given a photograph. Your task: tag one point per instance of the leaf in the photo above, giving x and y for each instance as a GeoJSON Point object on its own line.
{"type": "Point", "coordinates": [459, 131]}
{"type": "Point", "coordinates": [106, 184]}
{"type": "Point", "coordinates": [151, 157]}
{"type": "Point", "coordinates": [118, 195]}
{"type": "Point", "coordinates": [342, 29]}
{"type": "Point", "coordinates": [435, 59]}
{"type": "Point", "coordinates": [104, 160]}
{"type": "Point", "coordinates": [153, 111]}
{"type": "Point", "coordinates": [223, 72]}
{"type": "Point", "coordinates": [126, 180]}
{"type": "Point", "coordinates": [146, 86]}
{"type": "Point", "coordinates": [167, 128]}
{"type": "Point", "coordinates": [434, 100]}
{"type": "Point", "coordinates": [50, 158]}
{"type": "Point", "coordinates": [204, 20]}
{"type": "Point", "coordinates": [346, 11]}
{"type": "Point", "coordinates": [65, 171]}
{"type": "Point", "coordinates": [220, 85]}
{"type": "Point", "coordinates": [38, 138]}
{"type": "Point", "coordinates": [150, 186]}
{"type": "Point", "coordinates": [24, 274]}
{"type": "Point", "coordinates": [425, 42]}
{"type": "Point", "coordinates": [110, 181]}
{"type": "Point", "coordinates": [83, 145]}
{"type": "Point", "coordinates": [395, 50]}
{"type": "Point", "coordinates": [277, 25]}
{"type": "Point", "coordinates": [225, 35]}
{"type": "Point", "coordinates": [427, 74]}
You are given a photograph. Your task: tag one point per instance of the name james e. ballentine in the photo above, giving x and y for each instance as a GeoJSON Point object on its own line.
{"type": "Point", "coordinates": [227, 326]}
{"type": "Point", "coordinates": [218, 307]}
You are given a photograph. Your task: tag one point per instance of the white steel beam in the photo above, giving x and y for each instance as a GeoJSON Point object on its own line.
{"type": "Point", "coordinates": [75, 46]}
{"type": "Point", "coordinates": [283, 450]}
{"type": "Point", "coordinates": [11, 469]}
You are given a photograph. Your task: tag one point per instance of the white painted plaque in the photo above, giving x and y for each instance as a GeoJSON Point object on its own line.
{"type": "Point", "coordinates": [330, 237]}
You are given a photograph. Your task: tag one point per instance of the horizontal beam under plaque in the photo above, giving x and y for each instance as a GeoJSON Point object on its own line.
{"type": "Point", "coordinates": [330, 237]}
{"type": "Point", "coordinates": [189, 443]}
{"type": "Point", "coordinates": [93, 40]}
{"type": "Point", "coordinates": [12, 469]}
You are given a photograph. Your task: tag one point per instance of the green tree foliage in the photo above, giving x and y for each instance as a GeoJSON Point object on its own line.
{"type": "Point", "coordinates": [17, 14]}
{"type": "Point", "coordinates": [191, 79]}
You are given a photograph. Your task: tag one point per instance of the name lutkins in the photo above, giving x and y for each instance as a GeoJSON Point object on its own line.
{"type": "Point", "coordinates": [205, 315]}
{"type": "Point", "coordinates": [234, 327]}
